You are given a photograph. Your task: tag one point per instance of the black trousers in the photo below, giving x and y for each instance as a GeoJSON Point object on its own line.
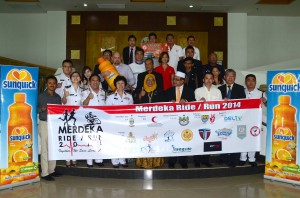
{"type": "Point", "coordinates": [182, 160]}
{"type": "Point", "coordinates": [230, 158]}
{"type": "Point", "coordinates": [198, 159]}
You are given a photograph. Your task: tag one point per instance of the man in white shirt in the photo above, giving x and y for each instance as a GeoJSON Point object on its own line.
{"type": "Point", "coordinates": [138, 66]}
{"type": "Point", "coordinates": [251, 92]}
{"type": "Point", "coordinates": [94, 96]}
{"type": "Point", "coordinates": [124, 70]}
{"type": "Point", "coordinates": [191, 42]}
{"type": "Point", "coordinates": [63, 79]}
{"type": "Point", "coordinates": [175, 51]}
{"type": "Point", "coordinates": [206, 93]}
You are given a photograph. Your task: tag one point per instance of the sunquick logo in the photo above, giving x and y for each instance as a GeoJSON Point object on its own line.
{"type": "Point", "coordinates": [19, 79]}
{"type": "Point", "coordinates": [19, 134]}
{"type": "Point", "coordinates": [111, 76]}
{"type": "Point", "coordinates": [19, 137]}
{"type": "Point", "coordinates": [284, 82]}
{"type": "Point", "coordinates": [284, 137]}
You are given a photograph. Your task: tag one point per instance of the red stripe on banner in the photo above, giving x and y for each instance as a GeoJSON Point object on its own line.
{"type": "Point", "coordinates": [167, 107]}
{"type": "Point", "coordinates": [60, 109]}
{"type": "Point", "coordinates": [184, 107]}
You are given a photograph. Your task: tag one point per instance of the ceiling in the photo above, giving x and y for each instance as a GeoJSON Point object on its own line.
{"type": "Point", "coordinates": [233, 6]}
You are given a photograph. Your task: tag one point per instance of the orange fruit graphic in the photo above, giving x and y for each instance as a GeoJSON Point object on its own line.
{"type": "Point", "coordinates": [20, 156]}
{"type": "Point", "coordinates": [282, 78]}
{"type": "Point", "coordinates": [283, 154]}
{"type": "Point", "coordinates": [19, 75]}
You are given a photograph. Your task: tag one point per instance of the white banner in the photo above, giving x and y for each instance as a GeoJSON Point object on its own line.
{"type": "Point", "coordinates": [154, 130]}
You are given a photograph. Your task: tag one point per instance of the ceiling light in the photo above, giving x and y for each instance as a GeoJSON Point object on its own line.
{"type": "Point", "coordinates": [191, 6]}
{"type": "Point", "coordinates": [85, 4]}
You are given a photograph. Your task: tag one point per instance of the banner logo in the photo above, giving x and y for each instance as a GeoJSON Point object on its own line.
{"type": "Point", "coordinates": [187, 135]}
{"type": "Point", "coordinates": [150, 138]}
{"type": "Point", "coordinates": [232, 118]}
{"type": "Point", "coordinates": [184, 120]}
{"type": "Point", "coordinates": [255, 131]}
{"type": "Point", "coordinates": [284, 82]}
{"type": "Point", "coordinates": [204, 118]}
{"type": "Point", "coordinates": [212, 146]}
{"type": "Point", "coordinates": [169, 136]}
{"type": "Point", "coordinates": [212, 118]}
{"type": "Point", "coordinates": [130, 138]}
{"type": "Point", "coordinates": [241, 131]}
{"type": "Point", "coordinates": [224, 133]}
{"type": "Point", "coordinates": [204, 133]}
{"type": "Point", "coordinates": [147, 149]}
{"type": "Point", "coordinates": [67, 138]}
{"type": "Point", "coordinates": [19, 79]}
{"type": "Point", "coordinates": [131, 122]}
{"type": "Point", "coordinates": [154, 122]}
{"type": "Point", "coordinates": [181, 150]}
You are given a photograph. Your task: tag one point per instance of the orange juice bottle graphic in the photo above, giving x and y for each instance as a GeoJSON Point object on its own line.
{"type": "Point", "coordinates": [284, 132]}
{"type": "Point", "coordinates": [19, 131]}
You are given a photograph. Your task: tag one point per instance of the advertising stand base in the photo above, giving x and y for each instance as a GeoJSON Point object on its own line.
{"type": "Point", "coordinates": [281, 180]}
{"type": "Point", "coordinates": [9, 186]}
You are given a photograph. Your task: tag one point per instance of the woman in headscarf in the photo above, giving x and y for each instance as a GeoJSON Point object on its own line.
{"type": "Point", "coordinates": [150, 94]}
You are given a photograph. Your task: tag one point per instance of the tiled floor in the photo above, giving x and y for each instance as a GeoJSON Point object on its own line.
{"type": "Point", "coordinates": [81, 187]}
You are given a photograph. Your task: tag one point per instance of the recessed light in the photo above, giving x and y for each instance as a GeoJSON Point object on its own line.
{"type": "Point", "coordinates": [85, 4]}
{"type": "Point", "coordinates": [191, 6]}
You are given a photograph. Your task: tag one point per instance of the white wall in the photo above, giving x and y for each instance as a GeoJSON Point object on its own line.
{"type": "Point", "coordinates": [273, 42]}
{"type": "Point", "coordinates": [237, 41]}
{"type": "Point", "coordinates": [56, 38]}
{"type": "Point", "coordinates": [257, 44]}
{"type": "Point", "coordinates": [34, 38]}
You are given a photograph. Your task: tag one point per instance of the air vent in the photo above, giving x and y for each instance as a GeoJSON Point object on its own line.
{"type": "Point", "coordinates": [111, 6]}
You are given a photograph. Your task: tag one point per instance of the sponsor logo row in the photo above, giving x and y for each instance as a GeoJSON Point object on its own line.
{"type": "Point", "coordinates": [185, 120]}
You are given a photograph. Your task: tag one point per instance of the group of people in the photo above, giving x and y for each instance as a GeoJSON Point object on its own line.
{"type": "Point", "coordinates": [178, 78]}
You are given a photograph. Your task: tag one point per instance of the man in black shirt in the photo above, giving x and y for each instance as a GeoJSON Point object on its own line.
{"type": "Point", "coordinates": [47, 97]}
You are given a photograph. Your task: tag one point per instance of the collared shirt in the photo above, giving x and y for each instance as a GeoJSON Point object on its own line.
{"type": "Point", "coordinates": [125, 71]}
{"type": "Point", "coordinates": [74, 97]}
{"type": "Point", "coordinates": [136, 70]}
{"type": "Point", "coordinates": [255, 93]}
{"type": "Point", "coordinates": [166, 75]}
{"type": "Point", "coordinates": [175, 53]}
{"type": "Point", "coordinates": [231, 86]}
{"type": "Point", "coordinates": [133, 52]}
{"type": "Point", "coordinates": [44, 99]}
{"type": "Point", "coordinates": [196, 53]}
{"type": "Point", "coordinates": [176, 90]}
{"type": "Point", "coordinates": [116, 99]}
{"type": "Point", "coordinates": [212, 94]}
{"type": "Point", "coordinates": [98, 99]}
{"type": "Point", "coordinates": [65, 82]}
